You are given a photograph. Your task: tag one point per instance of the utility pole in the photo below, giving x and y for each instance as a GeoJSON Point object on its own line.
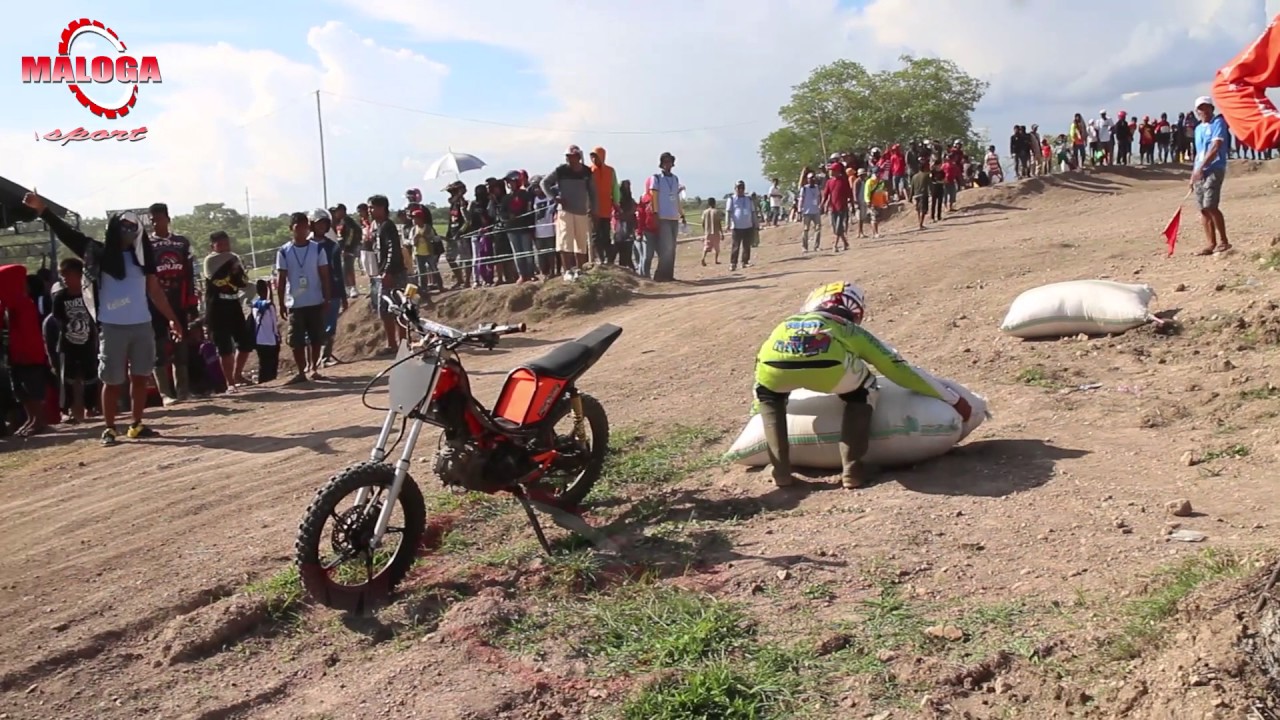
{"type": "Point", "coordinates": [324, 175]}
{"type": "Point", "coordinates": [248, 218]}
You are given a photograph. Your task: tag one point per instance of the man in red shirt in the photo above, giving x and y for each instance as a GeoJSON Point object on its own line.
{"type": "Point", "coordinates": [836, 196]}
{"type": "Point", "coordinates": [28, 363]}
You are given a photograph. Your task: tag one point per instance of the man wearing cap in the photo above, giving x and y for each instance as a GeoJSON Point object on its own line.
{"type": "Point", "coordinates": [665, 200]}
{"type": "Point", "coordinates": [516, 213]}
{"type": "Point", "coordinates": [1212, 139]}
{"type": "Point", "coordinates": [122, 279]}
{"type": "Point", "coordinates": [457, 249]}
{"type": "Point", "coordinates": [836, 197]}
{"type": "Point", "coordinates": [573, 190]}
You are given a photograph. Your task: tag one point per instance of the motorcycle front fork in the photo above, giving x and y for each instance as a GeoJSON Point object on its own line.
{"type": "Point", "coordinates": [379, 455]}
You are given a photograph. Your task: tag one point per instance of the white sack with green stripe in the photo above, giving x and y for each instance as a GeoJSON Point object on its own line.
{"type": "Point", "coordinates": [1090, 307]}
{"type": "Point", "coordinates": [906, 428]}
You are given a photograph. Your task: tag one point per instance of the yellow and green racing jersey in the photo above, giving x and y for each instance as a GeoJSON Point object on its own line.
{"type": "Point", "coordinates": [815, 351]}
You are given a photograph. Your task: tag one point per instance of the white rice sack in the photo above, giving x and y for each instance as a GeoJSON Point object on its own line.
{"type": "Point", "coordinates": [906, 428]}
{"type": "Point", "coordinates": [1091, 307]}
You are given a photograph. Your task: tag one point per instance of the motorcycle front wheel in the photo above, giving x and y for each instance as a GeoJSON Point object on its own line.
{"type": "Point", "coordinates": [337, 566]}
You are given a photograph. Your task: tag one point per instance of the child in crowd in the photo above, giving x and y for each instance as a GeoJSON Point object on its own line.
{"type": "Point", "coordinates": [77, 342]}
{"type": "Point", "coordinates": [266, 333]}
{"type": "Point", "coordinates": [713, 226]}
{"type": "Point", "coordinates": [995, 172]}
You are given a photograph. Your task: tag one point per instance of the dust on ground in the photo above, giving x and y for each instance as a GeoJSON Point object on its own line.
{"type": "Point", "coordinates": [1035, 571]}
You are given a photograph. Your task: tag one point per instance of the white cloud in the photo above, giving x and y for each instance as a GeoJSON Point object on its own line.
{"type": "Point", "coordinates": [662, 65]}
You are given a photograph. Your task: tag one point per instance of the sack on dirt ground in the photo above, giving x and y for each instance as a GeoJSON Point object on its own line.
{"type": "Point", "coordinates": [906, 428]}
{"type": "Point", "coordinates": [1091, 307]}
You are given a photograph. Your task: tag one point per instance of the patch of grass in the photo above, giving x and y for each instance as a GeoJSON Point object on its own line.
{"type": "Point", "coordinates": [1238, 450]}
{"type": "Point", "coordinates": [724, 689]}
{"type": "Point", "coordinates": [653, 627]}
{"type": "Point", "coordinates": [1144, 615]}
{"type": "Point", "coordinates": [1270, 260]}
{"type": "Point", "coordinates": [282, 593]}
{"type": "Point", "coordinates": [1267, 392]}
{"type": "Point", "coordinates": [1039, 377]}
{"type": "Point", "coordinates": [818, 591]}
{"type": "Point", "coordinates": [652, 461]}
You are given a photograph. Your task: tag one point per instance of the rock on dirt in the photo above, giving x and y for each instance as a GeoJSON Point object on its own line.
{"type": "Point", "coordinates": [950, 633]}
{"type": "Point", "coordinates": [1179, 508]}
{"type": "Point", "coordinates": [205, 631]}
{"type": "Point", "coordinates": [1191, 536]}
{"type": "Point", "coordinates": [1188, 459]}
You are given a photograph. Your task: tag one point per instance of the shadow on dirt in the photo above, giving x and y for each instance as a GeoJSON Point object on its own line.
{"type": "Point", "coordinates": [987, 468]}
{"type": "Point", "coordinates": [319, 442]}
{"type": "Point", "coordinates": [699, 543]}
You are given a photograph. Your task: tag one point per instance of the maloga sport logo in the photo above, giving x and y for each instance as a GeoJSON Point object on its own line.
{"type": "Point", "coordinates": [82, 75]}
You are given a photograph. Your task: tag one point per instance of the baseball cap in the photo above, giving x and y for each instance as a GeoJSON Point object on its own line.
{"type": "Point", "coordinates": [418, 212]}
{"type": "Point", "coordinates": [513, 176]}
{"type": "Point", "coordinates": [740, 183]}
{"type": "Point", "coordinates": [318, 215]}
{"type": "Point", "coordinates": [573, 150]}
{"type": "Point", "coordinates": [1204, 100]}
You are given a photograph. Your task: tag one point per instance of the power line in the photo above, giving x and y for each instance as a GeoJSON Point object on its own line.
{"type": "Point", "coordinates": [285, 106]}
{"type": "Point", "coordinates": [496, 123]}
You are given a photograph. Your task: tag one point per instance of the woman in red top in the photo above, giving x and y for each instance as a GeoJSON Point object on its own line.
{"type": "Point", "coordinates": [28, 362]}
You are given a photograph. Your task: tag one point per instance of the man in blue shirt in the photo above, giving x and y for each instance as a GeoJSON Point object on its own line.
{"type": "Point", "coordinates": [741, 214]}
{"type": "Point", "coordinates": [302, 288]}
{"type": "Point", "coordinates": [1212, 139]}
{"type": "Point", "coordinates": [666, 205]}
{"type": "Point", "coordinates": [811, 212]}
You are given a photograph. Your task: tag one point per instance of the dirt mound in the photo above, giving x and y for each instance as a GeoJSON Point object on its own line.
{"type": "Point", "coordinates": [1217, 659]}
{"type": "Point", "coordinates": [596, 289]}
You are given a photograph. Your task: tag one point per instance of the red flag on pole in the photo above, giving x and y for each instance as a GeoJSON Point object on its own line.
{"type": "Point", "coordinates": [1171, 230]}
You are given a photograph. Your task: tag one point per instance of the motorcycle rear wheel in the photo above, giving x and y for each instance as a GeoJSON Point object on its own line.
{"type": "Point", "coordinates": [588, 472]}
{"type": "Point", "coordinates": [350, 535]}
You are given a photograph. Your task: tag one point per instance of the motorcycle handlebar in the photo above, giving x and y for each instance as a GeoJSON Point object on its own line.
{"type": "Point", "coordinates": [508, 329]}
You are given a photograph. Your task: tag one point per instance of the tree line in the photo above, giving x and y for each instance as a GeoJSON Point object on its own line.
{"type": "Point", "coordinates": [842, 106]}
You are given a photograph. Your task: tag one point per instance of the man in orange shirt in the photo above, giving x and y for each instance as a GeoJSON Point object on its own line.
{"type": "Point", "coordinates": [1240, 91]}
{"type": "Point", "coordinates": [607, 197]}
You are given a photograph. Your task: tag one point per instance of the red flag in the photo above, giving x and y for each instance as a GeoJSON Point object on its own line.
{"type": "Point", "coordinates": [1171, 230]}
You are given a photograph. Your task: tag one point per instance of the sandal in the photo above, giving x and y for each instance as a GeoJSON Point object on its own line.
{"type": "Point", "coordinates": [1222, 249]}
{"type": "Point", "coordinates": [1204, 252]}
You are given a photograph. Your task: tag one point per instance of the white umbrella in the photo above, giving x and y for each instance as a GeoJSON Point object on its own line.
{"type": "Point", "coordinates": [453, 164]}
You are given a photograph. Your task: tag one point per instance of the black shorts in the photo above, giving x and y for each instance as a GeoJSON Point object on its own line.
{"type": "Point", "coordinates": [78, 363]}
{"type": "Point", "coordinates": [922, 202]}
{"type": "Point", "coordinates": [29, 382]}
{"type": "Point", "coordinates": [228, 329]}
{"type": "Point", "coordinates": [305, 322]}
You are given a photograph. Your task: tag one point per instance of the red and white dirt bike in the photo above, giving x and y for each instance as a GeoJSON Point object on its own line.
{"type": "Point", "coordinates": [516, 447]}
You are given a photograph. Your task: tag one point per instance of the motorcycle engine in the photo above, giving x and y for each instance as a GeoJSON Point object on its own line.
{"type": "Point", "coordinates": [467, 466]}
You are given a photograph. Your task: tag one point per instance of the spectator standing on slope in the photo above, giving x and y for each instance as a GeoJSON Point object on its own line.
{"type": "Point", "coordinates": [302, 289]}
{"type": "Point", "coordinates": [122, 286]}
{"type": "Point", "coordinates": [810, 204]}
{"type": "Point", "coordinates": [740, 211]}
{"type": "Point", "coordinates": [836, 200]}
{"type": "Point", "coordinates": [175, 270]}
{"type": "Point", "coordinates": [573, 189]}
{"type": "Point", "coordinates": [225, 279]}
{"type": "Point", "coordinates": [1212, 139]}
{"type": "Point", "coordinates": [605, 184]}
{"type": "Point", "coordinates": [666, 205]}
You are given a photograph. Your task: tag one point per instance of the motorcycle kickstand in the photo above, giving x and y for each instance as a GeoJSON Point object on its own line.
{"type": "Point", "coordinates": [533, 519]}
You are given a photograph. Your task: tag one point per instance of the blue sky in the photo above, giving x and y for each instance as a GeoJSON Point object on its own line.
{"type": "Point", "coordinates": [232, 112]}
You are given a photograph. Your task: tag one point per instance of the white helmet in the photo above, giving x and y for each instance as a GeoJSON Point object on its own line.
{"type": "Point", "coordinates": [839, 300]}
{"type": "Point", "coordinates": [320, 214]}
